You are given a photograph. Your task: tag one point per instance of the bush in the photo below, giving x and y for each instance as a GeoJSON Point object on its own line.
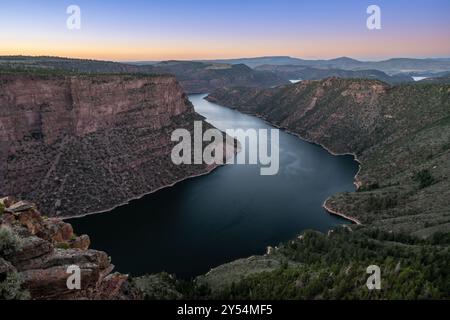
{"type": "Point", "coordinates": [9, 241]}
{"type": "Point", "coordinates": [2, 208]}
{"type": "Point", "coordinates": [10, 288]}
{"type": "Point", "coordinates": [63, 245]}
{"type": "Point", "coordinates": [425, 178]}
{"type": "Point", "coordinates": [375, 203]}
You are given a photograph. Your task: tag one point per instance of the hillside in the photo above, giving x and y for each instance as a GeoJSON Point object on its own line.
{"type": "Point", "coordinates": [294, 72]}
{"type": "Point", "coordinates": [400, 134]}
{"type": "Point", "coordinates": [78, 144]}
{"type": "Point", "coordinates": [391, 66]}
{"type": "Point", "coordinates": [198, 77]}
{"type": "Point", "coordinates": [194, 77]}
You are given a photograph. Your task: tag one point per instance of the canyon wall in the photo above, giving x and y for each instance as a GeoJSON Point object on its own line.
{"type": "Point", "coordinates": [400, 134]}
{"type": "Point", "coordinates": [86, 143]}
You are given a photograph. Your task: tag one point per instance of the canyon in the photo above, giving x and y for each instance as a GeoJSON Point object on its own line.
{"type": "Point", "coordinates": [399, 134]}
{"type": "Point", "coordinates": [76, 144]}
{"type": "Point", "coordinates": [82, 144]}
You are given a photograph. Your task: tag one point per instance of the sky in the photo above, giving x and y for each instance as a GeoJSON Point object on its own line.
{"type": "Point", "coordinates": [208, 29]}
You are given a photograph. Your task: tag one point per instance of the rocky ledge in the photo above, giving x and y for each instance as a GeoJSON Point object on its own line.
{"type": "Point", "coordinates": [36, 251]}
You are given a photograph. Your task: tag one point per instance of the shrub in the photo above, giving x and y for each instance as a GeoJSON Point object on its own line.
{"type": "Point", "coordinates": [9, 241]}
{"type": "Point", "coordinates": [10, 288]}
{"type": "Point", "coordinates": [63, 245]}
{"type": "Point", "coordinates": [370, 187]}
{"type": "Point", "coordinates": [425, 178]}
{"type": "Point", "coordinates": [375, 203]}
{"type": "Point", "coordinates": [2, 208]}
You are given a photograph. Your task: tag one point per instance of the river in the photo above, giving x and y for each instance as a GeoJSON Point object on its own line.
{"type": "Point", "coordinates": [232, 213]}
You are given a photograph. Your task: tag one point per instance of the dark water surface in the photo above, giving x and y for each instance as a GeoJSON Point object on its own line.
{"type": "Point", "coordinates": [233, 212]}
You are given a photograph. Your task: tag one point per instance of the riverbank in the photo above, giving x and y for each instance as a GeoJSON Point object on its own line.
{"type": "Point", "coordinates": [340, 214]}
{"type": "Point", "coordinates": [244, 212]}
{"type": "Point", "coordinates": [208, 171]}
{"type": "Point", "coordinates": [356, 182]}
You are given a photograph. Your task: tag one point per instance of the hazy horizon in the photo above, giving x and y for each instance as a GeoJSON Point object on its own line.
{"type": "Point", "coordinates": [205, 30]}
{"type": "Point", "coordinates": [218, 59]}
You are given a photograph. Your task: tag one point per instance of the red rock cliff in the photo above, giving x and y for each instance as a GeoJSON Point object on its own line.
{"type": "Point", "coordinates": [82, 144]}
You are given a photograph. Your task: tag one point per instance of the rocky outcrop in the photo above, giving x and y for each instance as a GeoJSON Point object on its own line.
{"type": "Point", "coordinates": [48, 246]}
{"type": "Point", "coordinates": [400, 134]}
{"type": "Point", "coordinates": [80, 144]}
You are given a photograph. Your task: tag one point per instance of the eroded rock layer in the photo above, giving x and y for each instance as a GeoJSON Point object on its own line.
{"type": "Point", "coordinates": [37, 253]}
{"type": "Point", "coordinates": [86, 143]}
{"type": "Point", "coordinates": [400, 134]}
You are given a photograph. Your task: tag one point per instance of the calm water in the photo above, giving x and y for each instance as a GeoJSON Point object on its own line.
{"type": "Point", "coordinates": [231, 213]}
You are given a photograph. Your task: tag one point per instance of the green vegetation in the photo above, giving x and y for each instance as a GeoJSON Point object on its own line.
{"type": "Point", "coordinates": [49, 72]}
{"type": "Point", "coordinates": [62, 245]}
{"type": "Point", "coordinates": [376, 202]}
{"type": "Point", "coordinates": [424, 178]}
{"type": "Point", "coordinates": [319, 266]}
{"type": "Point", "coordinates": [2, 208]}
{"type": "Point", "coordinates": [167, 287]}
{"type": "Point", "coordinates": [10, 287]}
{"type": "Point", "coordinates": [334, 267]}
{"type": "Point", "coordinates": [400, 134]}
{"type": "Point", "coordinates": [9, 241]}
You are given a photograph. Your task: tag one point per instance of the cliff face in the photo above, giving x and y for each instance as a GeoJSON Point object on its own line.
{"type": "Point", "coordinates": [82, 144]}
{"type": "Point", "coordinates": [36, 253]}
{"type": "Point", "coordinates": [400, 134]}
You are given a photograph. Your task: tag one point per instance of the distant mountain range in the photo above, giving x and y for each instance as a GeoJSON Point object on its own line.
{"type": "Point", "coordinates": [195, 77]}
{"type": "Point", "coordinates": [298, 72]}
{"type": "Point", "coordinates": [395, 65]}
{"type": "Point", "coordinates": [442, 77]}
{"type": "Point", "coordinates": [200, 77]}
{"type": "Point", "coordinates": [209, 75]}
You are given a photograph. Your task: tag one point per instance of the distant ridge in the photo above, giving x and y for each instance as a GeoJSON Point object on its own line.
{"type": "Point", "coordinates": [393, 65]}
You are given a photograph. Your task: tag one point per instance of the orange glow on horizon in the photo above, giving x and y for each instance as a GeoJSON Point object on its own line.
{"type": "Point", "coordinates": [324, 48]}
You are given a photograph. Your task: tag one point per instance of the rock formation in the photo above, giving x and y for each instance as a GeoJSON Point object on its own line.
{"type": "Point", "coordinates": [400, 134]}
{"type": "Point", "coordinates": [80, 144]}
{"type": "Point", "coordinates": [45, 249]}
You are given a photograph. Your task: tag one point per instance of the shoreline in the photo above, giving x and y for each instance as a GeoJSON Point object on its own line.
{"type": "Point", "coordinates": [340, 214]}
{"type": "Point", "coordinates": [210, 170]}
{"type": "Point", "coordinates": [213, 168]}
{"type": "Point", "coordinates": [356, 181]}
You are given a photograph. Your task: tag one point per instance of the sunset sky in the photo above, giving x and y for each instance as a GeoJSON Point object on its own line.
{"type": "Point", "coordinates": [205, 29]}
